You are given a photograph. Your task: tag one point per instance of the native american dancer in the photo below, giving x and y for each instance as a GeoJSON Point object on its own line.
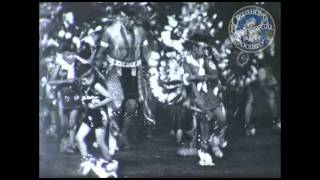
{"type": "Point", "coordinates": [194, 84]}
{"type": "Point", "coordinates": [63, 76]}
{"type": "Point", "coordinates": [99, 98]}
{"type": "Point", "coordinates": [205, 95]}
{"type": "Point", "coordinates": [167, 77]}
{"type": "Point", "coordinates": [68, 95]}
{"type": "Point", "coordinates": [122, 48]}
{"type": "Point", "coordinates": [95, 97]}
{"type": "Point", "coordinates": [239, 72]}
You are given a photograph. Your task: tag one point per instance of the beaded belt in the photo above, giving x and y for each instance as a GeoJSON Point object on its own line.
{"type": "Point", "coordinates": [120, 63]}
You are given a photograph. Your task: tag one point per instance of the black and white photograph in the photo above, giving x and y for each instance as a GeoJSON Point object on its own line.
{"type": "Point", "coordinates": [159, 89]}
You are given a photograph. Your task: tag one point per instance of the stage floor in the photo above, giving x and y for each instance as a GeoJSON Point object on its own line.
{"type": "Point", "coordinates": [257, 156]}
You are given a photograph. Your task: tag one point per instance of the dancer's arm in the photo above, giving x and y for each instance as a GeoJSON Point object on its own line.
{"type": "Point", "coordinates": [101, 90]}
{"type": "Point", "coordinates": [104, 44]}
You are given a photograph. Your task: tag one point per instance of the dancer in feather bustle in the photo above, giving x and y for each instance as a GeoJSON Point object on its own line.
{"type": "Point", "coordinates": [240, 71]}
{"type": "Point", "coordinates": [205, 99]}
{"type": "Point", "coordinates": [169, 89]}
{"type": "Point", "coordinates": [269, 86]}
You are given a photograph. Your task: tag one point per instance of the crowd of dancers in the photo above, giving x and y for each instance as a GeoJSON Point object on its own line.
{"type": "Point", "coordinates": [102, 65]}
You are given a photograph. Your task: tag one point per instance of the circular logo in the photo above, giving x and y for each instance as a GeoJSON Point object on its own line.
{"type": "Point", "coordinates": [251, 29]}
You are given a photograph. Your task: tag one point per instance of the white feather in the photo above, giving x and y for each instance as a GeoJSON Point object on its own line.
{"type": "Point", "coordinates": [254, 61]}
{"type": "Point", "coordinates": [172, 22]}
{"type": "Point", "coordinates": [212, 65]}
{"type": "Point", "coordinates": [76, 41]}
{"type": "Point", "coordinates": [222, 66]}
{"type": "Point", "coordinates": [162, 63]}
{"type": "Point", "coordinates": [253, 77]}
{"type": "Point", "coordinates": [90, 31]}
{"type": "Point", "coordinates": [223, 55]}
{"type": "Point", "coordinates": [220, 24]}
{"type": "Point", "coordinates": [241, 83]}
{"type": "Point", "coordinates": [168, 29]}
{"type": "Point", "coordinates": [152, 62]}
{"type": "Point", "coordinates": [89, 40]}
{"type": "Point", "coordinates": [61, 33]}
{"type": "Point", "coordinates": [53, 43]}
{"type": "Point", "coordinates": [214, 16]}
{"type": "Point", "coordinates": [233, 82]}
{"type": "Point", "coordinates": [248, 80]}
{"type": "Point", "coordinates": [153, 70]}
{"type": "Point", "coordinates": [98, 28]}
{"type": "Point", "coordinates": [143, 3]}
{"type": "Point", "coordinates": [145, 43]}
{"type": "Point", "coordinates": [68, 35]}
{"type": "Point", "coordinates": [162, 77]}
{"type": "Point", "coordinates": [177, 46]}
{"type": "Point", "coordinates": [224, 73]}
{"type": "Point", "coordinates": [254, 70]}
{"type": "Point", "coordinates": [153, 80]}
{"type": "Point", "coordinates": [225, 61]}
{"type": "Point", "coordinates": [215, 91]}
{"type": "Point", "coordinates": [212, 31]}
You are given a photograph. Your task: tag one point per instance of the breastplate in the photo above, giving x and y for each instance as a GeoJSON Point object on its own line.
{"type": "Point", "coordinates": [125, 46]}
